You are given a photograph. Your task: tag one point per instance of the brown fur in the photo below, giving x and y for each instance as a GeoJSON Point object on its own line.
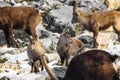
{"type": "Point", "coordinates": [92, 65]}
{"type": "Point", "coordinates": [26, 18]}
{"type": "Point", "coordinates": [68, 47]}
{"type": "Point", "coordinates": [34, 52]}
{"type": "Point", "coordinates": [97, 21]}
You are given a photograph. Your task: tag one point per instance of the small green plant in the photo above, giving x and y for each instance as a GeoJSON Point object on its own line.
{"type": "Point", "coordinates": [0, 71]}
{"type": "Point", "coordinates": [2, 60]}
{"type": "Point", "coordinates": [115, 43]}
{"type": "Point", "coordinates": [52, 46]}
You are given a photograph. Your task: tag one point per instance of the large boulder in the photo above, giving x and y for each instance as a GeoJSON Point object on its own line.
{"type": "Point", "coordinates": [59, 18]}
{"type": "Point", "coordinates": [103, 38]}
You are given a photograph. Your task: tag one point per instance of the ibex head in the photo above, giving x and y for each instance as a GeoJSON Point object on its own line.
{"type": "Point", "coordinates": [67, 35]}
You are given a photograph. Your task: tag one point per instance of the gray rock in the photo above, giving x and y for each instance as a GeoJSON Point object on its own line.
{"type": "Point", "coordinates": [2, 4]}
{"type": "Point", "coordinates": [92, 5]}
{"type": "Point", "coordinates": [87, 40]}
{"type": "Point", "coordinates": [60, 71]}
{"type": "Point", "coordinates": [59, 18]}
{"type": "Point", "coordinates": [4, 78]}
{"type": "Point", "coordinates": [21, 37]}
{"type": "Point", "coordinates": [2, 38]}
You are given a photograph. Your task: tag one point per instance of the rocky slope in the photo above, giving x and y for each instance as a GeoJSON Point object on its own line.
{"type": "Point", "coordinates": [57, 16]}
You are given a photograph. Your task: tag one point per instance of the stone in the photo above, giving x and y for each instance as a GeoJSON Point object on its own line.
{"type": "Point", "coordinates": [112, 4]}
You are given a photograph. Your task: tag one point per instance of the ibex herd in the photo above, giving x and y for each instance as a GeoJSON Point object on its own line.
{"type": "Point", "coordinates": [89, 65]}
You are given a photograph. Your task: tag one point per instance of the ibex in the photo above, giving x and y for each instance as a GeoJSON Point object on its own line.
{"type": "Point", "coordinates": [36, 52]}
{"type": "Point", "coordinates": [25, 18]}
{"type": "Point", "coordinates": [97, 21]}
{"type": "Point", "coordinates": [92, 65]}
{"type": "Point", "coordinates": [68, 47]}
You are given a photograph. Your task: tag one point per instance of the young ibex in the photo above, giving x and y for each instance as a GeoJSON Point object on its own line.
{"type": "Point", "coordinates": [26, 18]}
{"type": "Point", "coordinates": [68, 47]}
{"type": "Point", "coordinates": [97, 21]}
{"type": "Point", "coordinates": [36, 53]}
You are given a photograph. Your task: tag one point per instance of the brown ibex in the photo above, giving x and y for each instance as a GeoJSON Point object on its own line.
{"type": "Point", "coordinates": [68, 47]}
{"type": "Point", "coordinates": [36, 52]}
{"type": "Point", "coordinates": [97, 21]}
{"type": "Point", "coordinates": [26, 18]}
{"type": "Point", "coordinates": [92, 65]}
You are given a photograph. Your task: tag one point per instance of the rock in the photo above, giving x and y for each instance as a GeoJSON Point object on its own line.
{"type": "Point", "coordinates": [87, 40]}
{"type": "Point", "coordinates": [7, 66]}
{"type": "Point", "coordinates": [12, 2]}
{"type": "Point", "coordinates": [52, 56]}
{"type": "Point", "coordinates": [60, 71]}
{"type": "Point", "coordinates": [59, 18]}
{"type": "Point", "coordinates": [2, 38]}
{"type": "Point", "coordinates": [112, 4]}
{"type": "Point", "coordinates": [21, 37]}
{"type": "Point", "coordinates": [104, 37]}
{"type": "Point", "coordinates": [4, 78]}
{"type": "Point", "coordinates": [92, 5]}
{"type": "Point", "coordinates": [43, 34]}
{"type": "Point", "coordinates": [2, 4]}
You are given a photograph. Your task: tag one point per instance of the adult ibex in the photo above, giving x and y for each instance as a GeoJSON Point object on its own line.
{"type": "Point", "coordinates": [97, 21]}
{"type": "Point", "coordinates": [26, 18]}
{"type": "Point", "coordinates": [68, 47]}
{"type": "Point", "coordinates": [92, 65]}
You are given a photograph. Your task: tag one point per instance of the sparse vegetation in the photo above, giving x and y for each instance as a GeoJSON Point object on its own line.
{"type": "Point", "coordinates": [52, 46]}
{"type": "Point", "coordinates": [2, 60]}
{"type": "Point", "coordinates": [78, 29]}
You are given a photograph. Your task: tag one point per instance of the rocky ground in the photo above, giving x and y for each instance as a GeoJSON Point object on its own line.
{"type": "Point", "coordinates": [14, 63]}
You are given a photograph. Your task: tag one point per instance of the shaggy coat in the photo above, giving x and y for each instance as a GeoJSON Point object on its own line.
{"type": "Point", "coordinates": [92, 65]}
{"type": "Point", "coordinates": [68, 47]}
{"type": "Point", "coordinates": [97, 21]}
{"type": "Point", "coordinates": [34, 51]}
{"type": "Point", "coordinates": [25, 18]}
